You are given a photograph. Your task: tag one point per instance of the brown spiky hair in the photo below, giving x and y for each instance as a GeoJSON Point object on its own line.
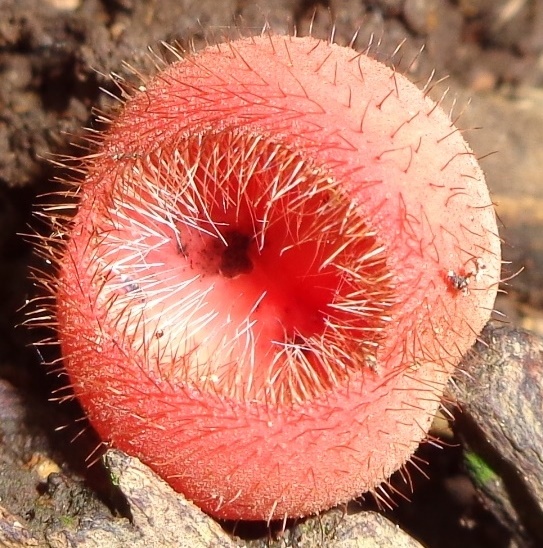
{"type": "Point", "coordinates": [282, 249]}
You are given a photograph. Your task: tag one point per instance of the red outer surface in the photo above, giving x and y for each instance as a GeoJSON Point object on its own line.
{"type": "Point", "coordinates": [410, 175]}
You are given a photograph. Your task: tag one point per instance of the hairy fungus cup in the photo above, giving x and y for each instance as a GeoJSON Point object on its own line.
{"type": "Point", "coordinates": [281, 251]}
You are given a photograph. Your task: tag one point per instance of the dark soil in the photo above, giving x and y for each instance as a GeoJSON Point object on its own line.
{"type": "Point", "coordinates": [56, 57]}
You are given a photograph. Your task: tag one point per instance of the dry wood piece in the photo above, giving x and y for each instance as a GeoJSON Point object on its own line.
{"type": "Point", "coordinates": [500, 395]}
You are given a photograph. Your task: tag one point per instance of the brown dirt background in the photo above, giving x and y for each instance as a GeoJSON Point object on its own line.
{"type": "Point", "coordinates": [55, 56]}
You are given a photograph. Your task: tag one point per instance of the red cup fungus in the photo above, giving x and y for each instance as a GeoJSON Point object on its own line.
{"type": "Point", "coordinates": [281, 251]}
